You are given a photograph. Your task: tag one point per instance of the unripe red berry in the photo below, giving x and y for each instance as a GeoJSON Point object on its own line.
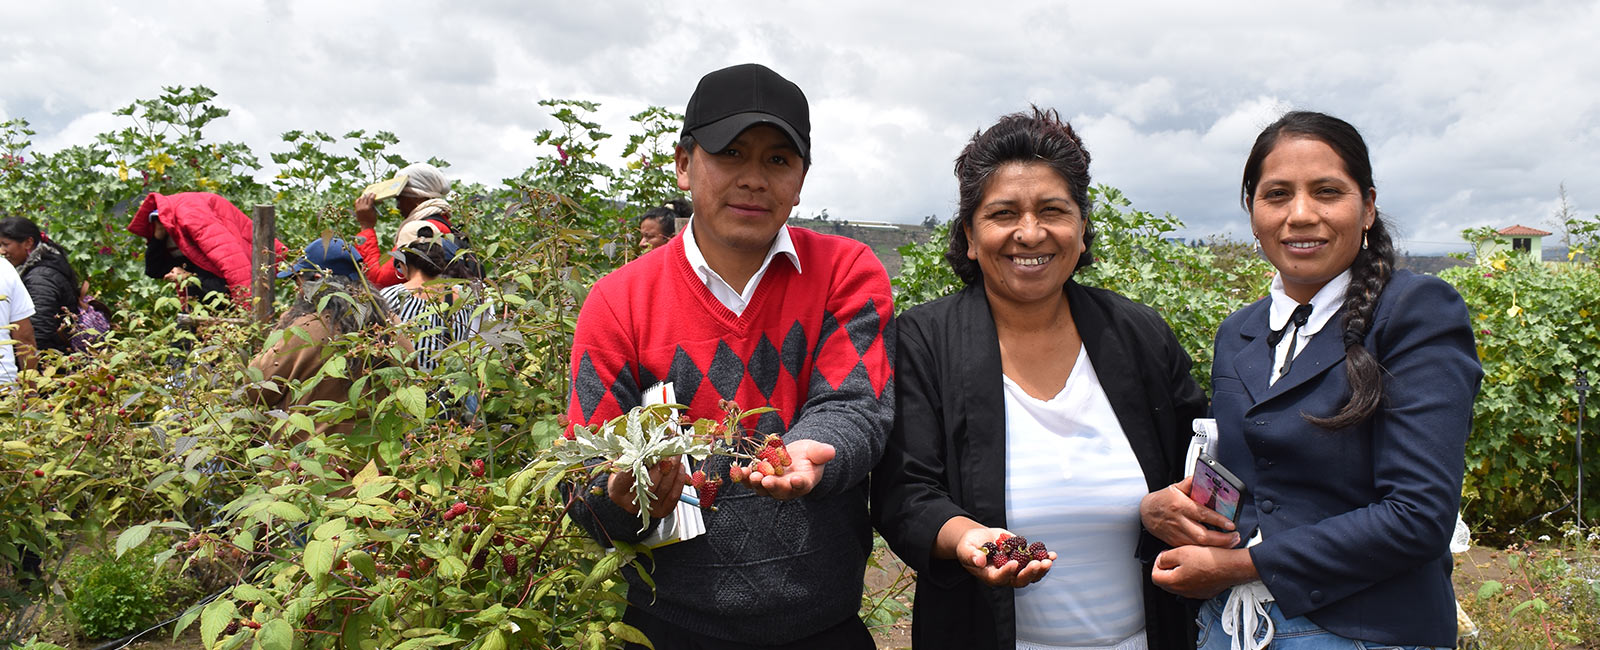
{"type": "Point", "coordinates": [38, 473]}
{"type": "Point", "coordinates": [477, 467]}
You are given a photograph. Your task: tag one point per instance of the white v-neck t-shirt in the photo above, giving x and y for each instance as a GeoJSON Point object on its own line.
{"type": "Point", "coordinates": [1073, 482]}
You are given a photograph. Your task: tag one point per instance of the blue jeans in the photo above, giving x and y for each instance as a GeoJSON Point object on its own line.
{"type": "Point", "coordinates": [1297, 633]}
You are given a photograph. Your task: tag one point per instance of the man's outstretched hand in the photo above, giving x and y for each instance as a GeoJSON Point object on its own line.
{"type": "Point", "coordinates": [807, 460]}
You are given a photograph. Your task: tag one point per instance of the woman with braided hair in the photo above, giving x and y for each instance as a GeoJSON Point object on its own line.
{"type": "Point", "coordinates": [1343, 402]}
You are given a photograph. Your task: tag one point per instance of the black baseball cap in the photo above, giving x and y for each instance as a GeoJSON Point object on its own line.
{"type": "Point", "coordinates": [733, 99]}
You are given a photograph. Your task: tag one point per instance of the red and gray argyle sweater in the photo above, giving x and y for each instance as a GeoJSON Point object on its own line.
{"type": "Point", "coordinates": [816, 345]}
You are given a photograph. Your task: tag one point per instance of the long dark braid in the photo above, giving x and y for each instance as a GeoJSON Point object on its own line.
{"type": "Point", "coordinates": [1369, 272]}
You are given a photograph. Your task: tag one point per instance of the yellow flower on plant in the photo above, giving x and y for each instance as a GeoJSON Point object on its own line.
{"type": "Point", "coordinates": [122, 170]}
{"type": "Point", "coordinates": [1499, 264]}
{"type": "Point", "coordinates": [159, 162]}
{"type": "Point", "coordinates": [1513, 311]}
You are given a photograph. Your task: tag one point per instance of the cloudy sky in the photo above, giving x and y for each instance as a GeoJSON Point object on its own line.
{"type": "Point", "coordinates": [1476, 114]}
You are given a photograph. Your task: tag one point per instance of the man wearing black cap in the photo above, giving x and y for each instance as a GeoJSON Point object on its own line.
{"type": "Point", "coordinates": [743, 308]}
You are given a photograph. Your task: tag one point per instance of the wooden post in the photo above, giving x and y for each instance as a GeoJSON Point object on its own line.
{"type": "Point", "coordinates": [263, 256]}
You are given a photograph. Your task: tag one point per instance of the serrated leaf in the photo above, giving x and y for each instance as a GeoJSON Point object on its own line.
{"type": "Point", "coordinates": [414, 399]}
{"type": "Point", "coordinates": [630, 634]}
{"type": "Point", "coordinates": [452, 568]}
{"type": "Point", "coordinates": [186, 620]}
{"type": "Point", "coordinates": [132, 537]}
{"type": "Point", "coordinates": [602, 570]}
{"type": "Point", "coordinates": [330, 528]}
{"type": "Point", "coordinates": [1489, 589]}
{"type": "Point", "coordinates": [216, 617]}
{"type": "Point", "coordinates": [366, 475]}
{"type": "Point", "coordinates": [286, 511]}
{"type": "Point", "coordinates": [318, 557]}
{"type": "Point", "coordinates": [363, 563]}
{"type": "Point", "coordinates": [275, 634]}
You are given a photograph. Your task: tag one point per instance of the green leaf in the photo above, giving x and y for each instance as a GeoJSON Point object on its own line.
{"type": "Point", "coordinates": [318, 557]}
{"type": "Point", "coordinates": [495, 641]}
{"type": "Point", "coordinates": [452, 568]}
{"type": "Point", "coordinates": [275, 634]}
{"type": "Point", "coordinates": [216, 617]}
{"type": "Point", "coordinates": [363, 563]}
{"type": "Point", "coordinates": [414, 399]}
{"type": "Point", "coordinates": [132, 537]}
{"type": "Point", "coordinates": [330, 528]}
{"type": "Point", "coordinates": [286, 511]}
{"type": "Point", "coordinates": [630, 634]}
{"type": "Point", "coordinates": [185, 621]}
{"type": "Point", "coordinates": [605, 568]}
{"type": "Point", "coordinates": [1489, 589]}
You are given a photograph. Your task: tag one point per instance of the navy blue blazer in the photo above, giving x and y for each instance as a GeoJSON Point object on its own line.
{"type": "Point", "coordinates": [1356, 522]}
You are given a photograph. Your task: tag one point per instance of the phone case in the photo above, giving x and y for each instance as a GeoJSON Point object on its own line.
{"type": "Point", "coordinates": [1216, 488]}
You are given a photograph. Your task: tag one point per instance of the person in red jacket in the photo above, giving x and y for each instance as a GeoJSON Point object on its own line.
{"type": "Point", "coordinates": [423, 197]}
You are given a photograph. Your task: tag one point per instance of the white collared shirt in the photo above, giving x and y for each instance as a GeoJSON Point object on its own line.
{"type": "Point", "coordinates": [1323, 307]}
{"type": "Point", "coordinates": [736, 301]}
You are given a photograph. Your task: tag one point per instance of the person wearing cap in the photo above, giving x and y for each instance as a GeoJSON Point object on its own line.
{"type": "Point", "coordinates": [741, 307]}
{"type": "Point", "coordinates": [327, 256]}
{"type": "Point", "coordinates": [330, 302]}
{"type": "Point", "coordinates": [423, 254]}
{"type": "Point", "coordinates": [422, 198]}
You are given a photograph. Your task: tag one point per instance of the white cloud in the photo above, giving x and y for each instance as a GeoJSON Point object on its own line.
{"type": "Point", "coordinates": [1474, 114]}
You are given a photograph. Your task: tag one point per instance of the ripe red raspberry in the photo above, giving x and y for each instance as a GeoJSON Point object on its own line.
{"type": "Point", "coordinates": [737, 473]}
{"type": "Point", "coordinates": [403, 494]}
{"type": "Point", "coordinates": [1038, 552]}
{"type": "Point", "coordinates": [766, 468]}
{"type": "Point", "coordinates": [460, 508]}
{"type": "Point", "coordinates": [477, 468]}
{"type": "Point", "coordinates": [477, 561]}
{"type": "Point", "coordinates": [38, 473]}
{"type": "Point", "coordinates": [509, 563]}
{"type": "Point", "coordinates": [697, 479]}
{"type": "Point", "coordinates": [403, 573]}
{"type": "Point", "coordinates": [252, 625]}
{"type": "Point", "coordinates": [498, 539]}
{"type": "Point", "coordinates": [448, 514]}
{"type": "Point", "coordinates": [708, 493]}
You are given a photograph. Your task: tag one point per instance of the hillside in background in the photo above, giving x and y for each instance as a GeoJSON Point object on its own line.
{"type": "Point", "coordinates": [884, 238]}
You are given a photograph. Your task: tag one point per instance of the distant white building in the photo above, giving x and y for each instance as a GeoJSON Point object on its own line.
{"type": "Point", "coordinates": [1513, 240]}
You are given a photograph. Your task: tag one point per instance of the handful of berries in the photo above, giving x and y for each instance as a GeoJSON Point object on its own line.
{"type": "Point", "coordinates": [771, 460]}
{"type": "Point", "coordinates": [1012, 548]}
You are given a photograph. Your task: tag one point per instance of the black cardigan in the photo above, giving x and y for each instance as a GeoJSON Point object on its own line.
{"type": "Point", "coordinates": [942, 459]}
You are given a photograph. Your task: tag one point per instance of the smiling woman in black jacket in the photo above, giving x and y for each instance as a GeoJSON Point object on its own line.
{"type": "Point", "coordinates": [51, 283]}
{"type": "Point", "coordinates": [1030, 405]}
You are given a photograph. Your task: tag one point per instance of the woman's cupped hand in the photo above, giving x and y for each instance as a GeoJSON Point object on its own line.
{"type": "Point", "coordinates": [974, 558]}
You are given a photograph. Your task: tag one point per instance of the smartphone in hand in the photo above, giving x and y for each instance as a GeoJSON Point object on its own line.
{"type": "Point", "coordinates": [1216, 488]}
